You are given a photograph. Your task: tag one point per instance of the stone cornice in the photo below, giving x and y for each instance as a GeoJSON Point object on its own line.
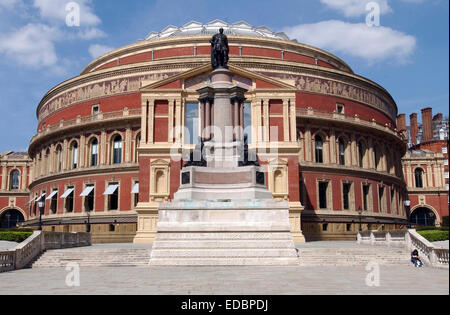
{"type": "Point", "coordinates": [90, 171]}
{"type": "Point", "coordinates": [351, 171]}
{"type": "Point", "coordinates": [61, 133]}
{"type": "Point", "coordinates": [239, 40]}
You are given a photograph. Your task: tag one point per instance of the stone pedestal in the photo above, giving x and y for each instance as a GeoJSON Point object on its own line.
{"type": "Point", "coordinates": [223, 214]}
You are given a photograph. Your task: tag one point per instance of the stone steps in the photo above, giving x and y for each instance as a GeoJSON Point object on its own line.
{"type": "Point", "coordinates": [222, 253]}
{"type": "Point", "coordinates": [94, 257]}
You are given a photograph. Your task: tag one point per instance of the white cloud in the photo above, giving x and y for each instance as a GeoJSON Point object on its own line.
{"type": "Point", "coordinates": [98, 50]}
{"type": "Point", "coordinates": [355, 8]}
{"type": "Point", "coordinates": [371, 43]}
{"type": "Point", "coordinates": [55, 10]}
{"type": "Point", "coordinates": [9, 4]}
{"type": "Point", "coordinates": [31, 45]}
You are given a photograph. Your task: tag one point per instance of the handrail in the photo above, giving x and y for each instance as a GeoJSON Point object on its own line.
{"type": "Point", "coordinates": [428, 252]}
{"type": "Point", "coordinates": [24, 253]}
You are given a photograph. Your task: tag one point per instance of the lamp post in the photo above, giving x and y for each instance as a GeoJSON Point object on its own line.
{"type": "Point", "coordinates": [407, 208]}
{"type": "Point", "coordinates": [41, 209]}
{"type": "Point", "coordinates": [88, 226]}
{"type": "Point", "coordinates": [360, 218]}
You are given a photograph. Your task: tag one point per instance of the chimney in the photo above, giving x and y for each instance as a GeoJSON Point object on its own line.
{"type": "Point", "coordinates": [427, 124]}
{"type": "Point", "coordinates": [438, 117]}
{"type": "Point", "coordinates": [413, 128]}
{"type": "Point", "coordinates": [401, 123]}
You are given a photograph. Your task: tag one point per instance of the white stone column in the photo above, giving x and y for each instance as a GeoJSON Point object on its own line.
{"type": "Point", "coordinates": [4, 175]}
{"type": "Point", "coordinates": [82, 151]}
{"type": "Point", "coordinates": [128, 145]}
{"type": "Point", "coordinates": [332, 146]}
{"type": "Point", "coordinates": [102, 150]}
{"type": "Point", "coordinates": [266, 102]}
{"type": "Point", "coordinates": [293, 116]}
{"type": "Point", "coordinates": [308, 144]}
{"type": "Point", "coordinates": [286, 120]}
{"type": "Point", "coordinates": [144, 120]}
{"type": "Point", "coordinates": [151, 120]}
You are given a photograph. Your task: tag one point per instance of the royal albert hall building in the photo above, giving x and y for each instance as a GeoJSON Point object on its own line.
{"type": "Point", "coordinates": [107, 149]}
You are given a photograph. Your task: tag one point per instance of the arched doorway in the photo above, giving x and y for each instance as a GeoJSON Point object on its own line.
{"type": "Point", "coordinates": [10, 218]}
{"type": "Point", "coordinates": [423, 216]}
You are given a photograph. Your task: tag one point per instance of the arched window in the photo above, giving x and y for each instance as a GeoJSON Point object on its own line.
{"type": "Point", "coordinates": [47, 162]}
{"type": "Point", "coordinates": [94, 152]}
{"type": "Point", "coordinates": [342, 147]}
{"type": "Point", "coordinates": [58, 158]}
{"type": "Point", "coordinates": [376, 157]}
{"type": "Point", "coordinates": [418, 174]}
{"type": "Point", "coordinates": [319, 149]}
{"type": "Point", "coordinates": [14, 180]}
{"type": "Point", "coordinates": [117, 150]}
{"type": "Point", "coordinates": [74, 151]}
{"type": "Point", "coordinates": [362, 153]}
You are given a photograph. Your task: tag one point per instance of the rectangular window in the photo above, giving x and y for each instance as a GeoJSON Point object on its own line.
{"type": "Point", "coordinates": [89, 196]}
{"type": "Point", "coordinates": [135, 191]}
{"type": "Point", "coordinates": [346, 195]}
{"type": "Point", "coordinates": [392, 200]}
{"type": "Point", "coordinates": [323, 195]}
{"type": "Point", "coordinates": [70, 200]}
{"type": "Point", "coordinates": [381, 199]}
{"type": "Point", "coordinates": [192, 123]}
{"type": "Point", "coordinates": [301, 186]}
{"type": "Point", "coordinates": [54, 201]}
{"type": "Point", "coordinates": [366, 189]}
{"type": "Point", "coordinates": [340, 108]}
{"type": "Point", "coordinates": [444, 150]}
{"type": "Point", "coordinates": [446, 162]}
{"type": "Point", "coordinates": [446, 175]}
{"type": "Point", "coordinates": [113, 196]}
{"type": "Point", "coordinates": [95, 111]}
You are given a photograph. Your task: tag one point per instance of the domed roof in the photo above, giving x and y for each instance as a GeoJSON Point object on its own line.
{"type": "Point", "coordinates": [196, 28]}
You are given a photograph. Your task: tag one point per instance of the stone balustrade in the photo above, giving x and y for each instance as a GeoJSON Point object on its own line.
{"type": "Point", "coordinates": [25, 252]}
{"type": "Point", "coordinates": [428, 252]}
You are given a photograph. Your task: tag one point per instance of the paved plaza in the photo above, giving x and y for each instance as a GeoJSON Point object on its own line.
{"type": "Point", "coordinates": [401, 279]}
{"type": "Point", "coordinates": [228, 281]}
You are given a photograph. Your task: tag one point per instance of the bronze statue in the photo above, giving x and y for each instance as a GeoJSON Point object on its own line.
{"type": "Point", "coordinates": [219, 50]}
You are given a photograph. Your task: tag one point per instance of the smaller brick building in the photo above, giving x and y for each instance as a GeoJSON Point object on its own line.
{"type": "Point", "coordinates": [426, 167]}
{"type": "Point", "coordinates": [15, 174]}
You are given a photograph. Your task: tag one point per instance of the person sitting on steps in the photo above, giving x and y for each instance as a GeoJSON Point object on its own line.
{"type": "Point", "coordinates": [415, 259]}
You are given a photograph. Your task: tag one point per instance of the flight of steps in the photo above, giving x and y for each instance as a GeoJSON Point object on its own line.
{"type": "Point", "coordinates": [353, 256]}
{"type": "Point", "coordinates": [311, 254]}
{"type": "Point", "coordinates": [121, 255]}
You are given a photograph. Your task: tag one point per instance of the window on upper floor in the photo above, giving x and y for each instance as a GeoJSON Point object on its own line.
{"type": "Point", "coordinates": [74, 152]}
{"type": "Point", "coordinates": [340, 108]}
{"type": "Point", "coordinates": [361, 153]}
{"type": "Point", "coordinates": [117, 150]}
{"type": "Point", "coordinates": [14, 180]}
{"type": "Point", "coordinates": [418, 175]}
{"type": "Point", "coordinates": [342, 148]}
{"type": "Point", "coordinates": [94, 152]}
{"type": "Point", "coordinates": [319, 149]}
{"type": "Point", "coordinates": [444, 150]}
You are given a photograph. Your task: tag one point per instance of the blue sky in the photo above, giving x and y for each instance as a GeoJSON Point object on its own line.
{"type": "Point", "coordinates": [408, 53]}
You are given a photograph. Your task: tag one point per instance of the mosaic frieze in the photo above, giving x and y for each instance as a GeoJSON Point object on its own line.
{"type": "Point", "coordinates": [335, 88]}
{"type": "Point", "coordinates": [99, 90]}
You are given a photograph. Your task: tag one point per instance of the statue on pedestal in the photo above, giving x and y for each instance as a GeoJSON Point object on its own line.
{"type": "Point", "coordinates": [219, 50]}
